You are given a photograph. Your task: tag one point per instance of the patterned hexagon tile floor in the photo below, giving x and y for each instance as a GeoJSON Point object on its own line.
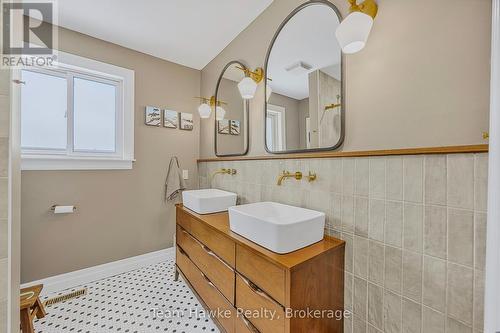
{"type": "Point", "coordinates": [129, 302]}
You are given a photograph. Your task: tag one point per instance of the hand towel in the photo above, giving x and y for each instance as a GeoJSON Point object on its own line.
{"type": "Point", "coordinates": [174, 184]}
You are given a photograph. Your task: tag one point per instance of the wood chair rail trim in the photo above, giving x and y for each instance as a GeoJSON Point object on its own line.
{"type": "Point", "coordinates": [482, 148]}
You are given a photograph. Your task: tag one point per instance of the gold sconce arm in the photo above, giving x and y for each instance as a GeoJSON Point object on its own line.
{"type": "Point", "coordinates": [332, 106]}
{"type": "Point", "coordinates": [210, 101]}
{"type": "Point", "coordinates": [256, 75]}
{"type": "Point", "coordinates": [368, 7]}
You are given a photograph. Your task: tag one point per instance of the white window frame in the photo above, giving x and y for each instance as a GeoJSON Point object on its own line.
{"type": "Point", "coordinates": [279, 126]}
{"type": "Point", "coordinates": [72, 66]}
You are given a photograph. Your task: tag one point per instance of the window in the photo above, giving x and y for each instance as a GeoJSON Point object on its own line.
{"type": "Point", "coordinates": [48, 129]}
{"type": "Point", "coordinates": [275, 128]}
{"type": "Point", "coordinates": [78, 115]}
{"type": "Point", "coordinates": [94, 114]}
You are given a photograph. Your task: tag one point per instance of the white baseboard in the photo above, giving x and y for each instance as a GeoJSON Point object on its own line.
{"type": "Point", "coordinates": [87, 275]}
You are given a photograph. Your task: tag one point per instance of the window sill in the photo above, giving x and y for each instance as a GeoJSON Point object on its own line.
{"type": "Point", "coordinates": [37, 162]}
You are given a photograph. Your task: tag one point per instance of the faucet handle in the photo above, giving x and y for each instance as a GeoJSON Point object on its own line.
{"type": "Point", "coordinates": [312, 176]}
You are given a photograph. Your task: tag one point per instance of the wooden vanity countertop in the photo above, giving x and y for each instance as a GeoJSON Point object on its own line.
{"type": "Point", "coordinates": [292, 260]}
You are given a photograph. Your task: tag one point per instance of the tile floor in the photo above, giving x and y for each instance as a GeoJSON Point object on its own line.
{"type": "Point", "coordinates": [128, 303]}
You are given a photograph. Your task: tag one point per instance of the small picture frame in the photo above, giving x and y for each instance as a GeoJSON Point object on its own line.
{"type": "Point", "coordinates": [152, 116]}
{"type": "Point", "coordinates": [186, 121]}
{"type": "Point", "coordinates": [223, 126]}
{"type": "Point", "coordinates": [170, 118]}
{"type": "Point", "coordinates": [235, 128]}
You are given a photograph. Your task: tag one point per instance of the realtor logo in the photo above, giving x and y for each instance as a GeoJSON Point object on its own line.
{"type": "Point", "coordinates": [29, 34]}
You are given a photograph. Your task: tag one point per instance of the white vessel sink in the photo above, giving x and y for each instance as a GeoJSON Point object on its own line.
{"type": "Point", "coordinates": [277, 227]}
{"type": "Point", "coordinates": [208, 201]}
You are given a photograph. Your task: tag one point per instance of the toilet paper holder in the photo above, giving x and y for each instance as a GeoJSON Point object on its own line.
{"type": "Point", "coordinates": [53, 208]}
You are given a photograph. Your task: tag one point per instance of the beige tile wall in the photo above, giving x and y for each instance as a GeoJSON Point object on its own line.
{"type": "Point", "coordinates": [415, 228]}
{"type": "Point", "coordinates": [4, 173]}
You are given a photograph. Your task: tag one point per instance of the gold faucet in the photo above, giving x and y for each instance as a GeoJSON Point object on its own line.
{"type": "Point", "coordinates": [311, 177]}
{"type": "Point", "coordinates": [224, 171]}
{"type": "Point", "coordinates": [287, 174]}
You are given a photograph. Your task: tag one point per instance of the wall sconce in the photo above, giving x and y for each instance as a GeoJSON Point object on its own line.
{"type": "Point", "coordinates": [353, 31]}
{"type": "Point", "coordinates": [248, 85]}
{"type": "Point", "coordinates": [220, 113]}
{"type": "Point", "coordinates": [206, 106]}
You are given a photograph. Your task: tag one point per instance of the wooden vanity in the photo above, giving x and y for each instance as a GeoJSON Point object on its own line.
{"type": "Point", "coordinates": [251, 289]}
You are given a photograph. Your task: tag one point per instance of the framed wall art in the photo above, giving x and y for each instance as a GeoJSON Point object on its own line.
{"type": "Point", "coordinates": [152, 116]}
{"type": "Point", "coordinates": [223, 126]}
{"type": "Point", "coordinates": [235, 127]}
{"type": "Point", "coordinates": [186, 122]}
{"type": "Point", "coordinates": [170, 118]}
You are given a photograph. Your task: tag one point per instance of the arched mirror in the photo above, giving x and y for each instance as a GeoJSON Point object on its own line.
{"type": "Point", "coordinates": [304, 107]}
{"type": "Point", "coordinates": [231, 123]}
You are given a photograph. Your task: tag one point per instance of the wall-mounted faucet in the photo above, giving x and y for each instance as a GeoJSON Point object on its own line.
{"type": "Point", "coordinates": [287, 174]}
{"type": "Point", "coordinates": [224, 171]}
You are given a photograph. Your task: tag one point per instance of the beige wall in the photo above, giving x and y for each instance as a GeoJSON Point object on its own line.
{"type": "Point", "coordinates": [422, 80]}
{"type": "Point", "coordinates": [120, 213]}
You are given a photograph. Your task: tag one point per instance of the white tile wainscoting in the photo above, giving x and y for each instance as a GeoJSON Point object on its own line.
{"type": "Point", "coordinates": [415, 228]}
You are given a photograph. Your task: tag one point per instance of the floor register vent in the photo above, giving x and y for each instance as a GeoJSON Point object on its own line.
{"type": "Point", "coordinates": [66, 297]}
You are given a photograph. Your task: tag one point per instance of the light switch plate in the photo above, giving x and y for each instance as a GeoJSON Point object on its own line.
{"type": "Point", "coordinates": [185, 174]}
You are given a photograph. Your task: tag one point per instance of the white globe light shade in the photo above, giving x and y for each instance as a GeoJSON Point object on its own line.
{"type": "Point", "coordinates": [269, 91]}
{"type": "Point", "coordinates": [204, 110]}
{"type": "Point", "coordinates": [220, 113]}
{"type": "Point", "coordinates": [353, 32]}
{"type": "Point", "coordinates": [247, 88]}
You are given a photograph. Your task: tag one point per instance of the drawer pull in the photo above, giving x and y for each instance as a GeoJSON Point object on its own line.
{"type": "Point", "coordinates": [207, 250]}
{"type": "Point", "coordinates": [249, 325]}
{"type": "Point", "coordinates": [259, 291]}
{"type": "Point", "coordinates": [182, 251]}
{"type": "Point", "coordinates": [212, 254]}
{"type": "Point", "coordinates": [208, 281]}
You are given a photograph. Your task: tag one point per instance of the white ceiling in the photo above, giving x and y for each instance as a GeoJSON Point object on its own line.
{"type": "Point", "coordinates": [308, 37]}
{"type": "Point", "coordinates": [187, 32]}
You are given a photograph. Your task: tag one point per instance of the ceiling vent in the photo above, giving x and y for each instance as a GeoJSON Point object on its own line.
{"type": "Point", "coordinates": [299, 68]}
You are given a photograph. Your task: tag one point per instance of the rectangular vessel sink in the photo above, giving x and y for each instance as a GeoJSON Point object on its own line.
{"type": "Point", "coordinates": [277, 227]}
{"type": "Point", "coordinates": [208, 201]}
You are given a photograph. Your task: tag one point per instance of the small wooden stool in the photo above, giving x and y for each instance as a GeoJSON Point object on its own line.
{"type": "Point", "coordinates": [31, 307]}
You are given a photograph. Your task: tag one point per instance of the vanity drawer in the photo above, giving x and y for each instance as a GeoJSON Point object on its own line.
{"type": "Point", "coordinates": [262, 272]}
{"type": "Point", "coordinates": [215, 241]}
{"type": "Point", "coordinates": [250, 297]}
{"type": "Point", "coordinates": [243, 325]}
{"type": "Point", "coordinates": [220, 273]}
{"type": "Point", "coordinates": [207, 291]}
